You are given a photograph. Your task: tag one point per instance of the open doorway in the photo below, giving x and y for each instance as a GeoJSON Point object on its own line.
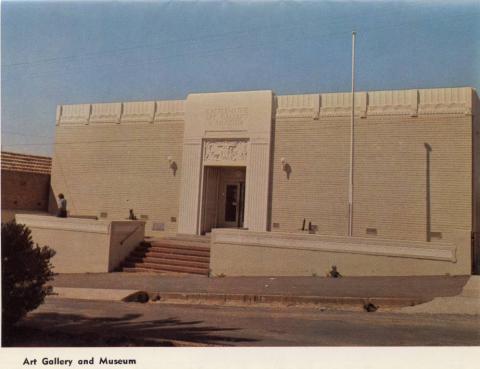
{"type": "Point", "coordinates": [223, 198]}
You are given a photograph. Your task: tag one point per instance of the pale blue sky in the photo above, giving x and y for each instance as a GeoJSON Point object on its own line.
{"type": "Point", "coordinates": [78, 52]}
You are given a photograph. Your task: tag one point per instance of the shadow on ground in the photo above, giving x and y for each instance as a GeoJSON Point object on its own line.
{"type": "Point", "coordinates": [73, 330]}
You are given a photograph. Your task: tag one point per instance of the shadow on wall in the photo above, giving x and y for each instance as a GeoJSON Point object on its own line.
{"type": "Point", "coordinates": [174, 168]}
{"type": "Point", "coordinates": [270, 176]}
{"type": "Point", "coordinates": [476, 255]}
{"type": "Point", "coordinates": [288, 170]}
{"type": "Point", "coordinates": [52, 202]}
{"type": "Point", "coordinates": [429, 233]}
{"type": "Point", "coordinates": [428, 150]}
{"type": "Point", "coordinates": [74, 330]}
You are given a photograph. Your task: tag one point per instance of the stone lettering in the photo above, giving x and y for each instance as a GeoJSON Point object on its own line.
{"type": "Point", "coordinates": [226, 118]}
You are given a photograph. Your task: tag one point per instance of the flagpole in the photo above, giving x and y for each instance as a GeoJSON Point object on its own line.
{"type": "Point", "coordinates": [352, 142]}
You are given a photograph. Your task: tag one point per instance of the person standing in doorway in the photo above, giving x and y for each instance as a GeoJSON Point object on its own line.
{"type": "Point", "coordinates": [62, 206]}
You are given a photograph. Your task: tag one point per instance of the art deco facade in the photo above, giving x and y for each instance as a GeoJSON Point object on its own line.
{"type": "Point", "coordinates": [278, 167]}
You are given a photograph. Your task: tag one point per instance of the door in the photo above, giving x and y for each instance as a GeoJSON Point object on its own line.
{"type": "Point", "coordinates": [223, 198]}
{"type": "Point", "coordinates": [231, 205]}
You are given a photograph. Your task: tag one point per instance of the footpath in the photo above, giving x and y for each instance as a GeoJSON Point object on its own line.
{"type": "Point", "coordinates": [467, 302]}
{"type": "Point", "coordinates": [417, 294]}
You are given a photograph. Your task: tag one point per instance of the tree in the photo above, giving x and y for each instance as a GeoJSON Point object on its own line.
{"type": "Point", "coordinates": [26, 268]}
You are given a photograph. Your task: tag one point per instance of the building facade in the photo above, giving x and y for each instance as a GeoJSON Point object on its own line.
{"type": "Point", "coordinates": [280, 164]}
{"type": "Point", "coordinates": [25, 183]}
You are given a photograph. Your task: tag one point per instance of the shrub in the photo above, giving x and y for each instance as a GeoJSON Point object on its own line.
{"type": "Point", "coordinates": [26, 268]}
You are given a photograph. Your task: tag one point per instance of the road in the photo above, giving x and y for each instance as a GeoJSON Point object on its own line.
{"type": "Point", "coordinates": [62, 322]}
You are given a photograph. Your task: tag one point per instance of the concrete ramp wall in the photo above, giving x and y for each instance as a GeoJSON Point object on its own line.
{"type": "Point", "coordinates": [245, 253]}
{"type": "Point", "coordinates": [84, 245]}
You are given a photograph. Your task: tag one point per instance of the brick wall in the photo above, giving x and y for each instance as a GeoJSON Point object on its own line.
{"type": "Point", "coordinates": [111, 168]}
{"type": "Point", "coordinates": [106, 167]}
{"type": "Point", "coordinates": [390, 175]}
{"type": "Point", "coordinates": [25, 191]}
{"type": "Point", "coordinates": [317, 157]}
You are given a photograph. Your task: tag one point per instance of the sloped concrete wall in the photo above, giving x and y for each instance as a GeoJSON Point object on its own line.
{"type": "Point", "coordinates": [244, 253]}
{"type": "Point", "coordinates": [84, 245]}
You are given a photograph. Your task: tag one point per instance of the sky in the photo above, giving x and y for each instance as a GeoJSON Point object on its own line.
{"type": "Point", "coordinates": [72, 52]}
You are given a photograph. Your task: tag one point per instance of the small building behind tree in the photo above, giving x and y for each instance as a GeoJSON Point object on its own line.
{"type": "Point", "coordinates": [25, 183]}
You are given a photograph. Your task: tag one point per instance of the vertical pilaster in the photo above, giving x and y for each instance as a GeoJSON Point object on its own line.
{"type": "Point", "coordinates": [256, 195]}
{"type": "Point", "coordinates": [190, 187]}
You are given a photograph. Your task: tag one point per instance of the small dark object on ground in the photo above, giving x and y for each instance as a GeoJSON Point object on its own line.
{"type": "Point", "coordinates": [369, 307]}
{"type": "Point", "coordinates": [140, 296]}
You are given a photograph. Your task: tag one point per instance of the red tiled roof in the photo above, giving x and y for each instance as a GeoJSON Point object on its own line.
{"type": "Point", "coordinates": [26, 163]}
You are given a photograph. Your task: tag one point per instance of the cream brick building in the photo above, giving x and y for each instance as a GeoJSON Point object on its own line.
{"type": "Point", "coordinates": [270, 165]}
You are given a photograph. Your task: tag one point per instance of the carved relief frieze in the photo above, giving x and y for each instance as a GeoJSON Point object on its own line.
{"type": "Point", "coordinates": [169, 110]}
{"type": "Point", "coordinates": [446, 101]}
{"type": "Point", "coordinates": [138, 111]}
{"type": "Point", "coordinates": [340, 104]}
{"type": "Point", "coordinates": [106, 113]}
{"type": "Point", "coordinates": [74, 114]}
{"type": "Point", "coordinates": [298, 106]}
{"type": "Point", "coordinates": [220, 152]}
{"type": "Point", "coordinates": [402, 102]}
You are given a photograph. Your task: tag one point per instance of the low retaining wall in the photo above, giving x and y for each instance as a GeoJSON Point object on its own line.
{"type": "Point", "coordinates": [9, 214]}
{"type": "Point", "coordinates": [84, 245]}
{"type": "Point", "coordinates": [245, 253]}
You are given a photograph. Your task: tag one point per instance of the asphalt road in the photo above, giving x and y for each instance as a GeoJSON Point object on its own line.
{"type": "Point", "coordinates": [70, 323]}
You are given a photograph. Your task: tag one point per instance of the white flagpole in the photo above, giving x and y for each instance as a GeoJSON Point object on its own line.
{"type": "Point", "coordinates": [352, 141]}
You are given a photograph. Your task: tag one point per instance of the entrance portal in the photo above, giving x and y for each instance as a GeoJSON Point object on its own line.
{"type": "Point", "coordinates": [223, 198]}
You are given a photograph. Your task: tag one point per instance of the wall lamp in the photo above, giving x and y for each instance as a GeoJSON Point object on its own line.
{"type": "Point", "coordinates": [172, 164]}
{"type": "Point", "coordinates": [284, 163]}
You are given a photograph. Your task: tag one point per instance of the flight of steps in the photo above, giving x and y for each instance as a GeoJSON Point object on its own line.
{"type": "Point", "coordinates": [180, 254]}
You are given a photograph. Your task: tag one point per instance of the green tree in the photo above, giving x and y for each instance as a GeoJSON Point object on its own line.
{"type": "Point", "coordinates": [26, 268]}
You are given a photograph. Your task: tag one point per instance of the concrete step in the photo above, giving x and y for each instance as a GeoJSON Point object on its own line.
{"type": "Point", "coordinates": [161, 261]}
{"type": "Point", "coordinates": [162, 255]}
{"type": "Point", "coordinates": [140, 270]}
{"type": "Point", "coordinates": [181, 244]}
{"type": "Point", "coordinates": [184, 254]}
{"type": "Point", "coordinates": [172, 250]}
{"type": "Point", "coordinates": [166, 268]}
{"type": "Point", "coordinates": [153, 271]}
{"type": "Point", "coordinates": [189, 237]}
